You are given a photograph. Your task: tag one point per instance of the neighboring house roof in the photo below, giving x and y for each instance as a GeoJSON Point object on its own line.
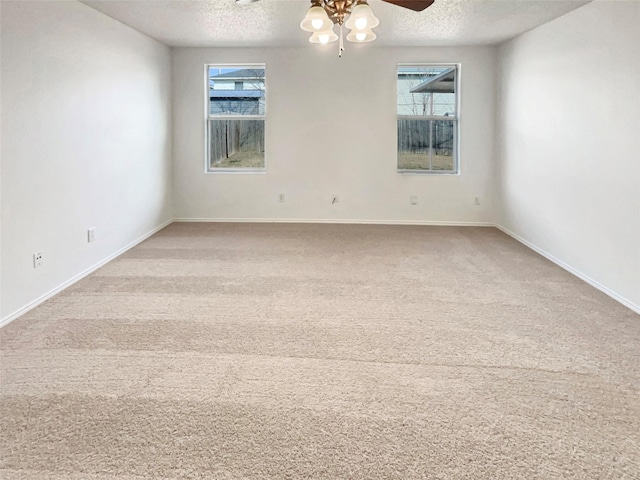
{"type": "Point", "coordinates": [442, 83]}
{"type": "Point", "coordinates": [252, 73]}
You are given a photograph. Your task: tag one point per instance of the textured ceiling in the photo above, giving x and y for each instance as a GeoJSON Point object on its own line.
{"type": "Point", "coordinates": [204, 23]}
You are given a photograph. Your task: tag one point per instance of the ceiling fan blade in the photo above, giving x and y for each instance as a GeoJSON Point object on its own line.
{"type": "Point", "coordinates": [416, 5]}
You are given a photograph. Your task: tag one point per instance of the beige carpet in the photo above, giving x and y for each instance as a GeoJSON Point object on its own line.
{"type": "Point", "coordinates": [250, 351]}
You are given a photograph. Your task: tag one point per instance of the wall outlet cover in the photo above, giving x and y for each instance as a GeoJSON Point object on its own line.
{"type": "Point", "coordinates": [38, 259]}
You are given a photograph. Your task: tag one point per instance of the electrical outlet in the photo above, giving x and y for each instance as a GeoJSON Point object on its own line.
{"type": "Point", "coordinates": [38, 259]}
{"type": "Point", "coordinates": [91, 235]}
{"type": "Point", "coordinates": [334, 199]}
{"type": "Point", "coordinates": [281, 197]}
{"type": "Point", "coordinates": [413, 199]}
{"type": "Point", "coordinates": [476, 201]}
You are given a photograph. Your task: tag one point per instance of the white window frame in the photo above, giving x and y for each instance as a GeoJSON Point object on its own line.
{"type": "Point", "coordinates": [429, 118]}
{"type": "Point", "coordinates": [208, 116]}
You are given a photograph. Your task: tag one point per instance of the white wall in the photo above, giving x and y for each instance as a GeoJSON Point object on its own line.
{"type": "Point", "coordinates": [331, 129]}
{"type": "Point", "coordinates": [85, 142]}
{"type": "Point", "coordinates": [569, 156]}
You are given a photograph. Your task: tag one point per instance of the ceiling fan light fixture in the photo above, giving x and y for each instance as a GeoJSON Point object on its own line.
{"type": "Point", "coordinates": [316, 20]}
{"type": "Point", "coordinates": [362, 17]}
{"type": "Point", "coordinates": [355, 15]}
{"type": "Point", "coordinates": [361, 36]}
{"type": "Point", "coordinates": [323, 37]}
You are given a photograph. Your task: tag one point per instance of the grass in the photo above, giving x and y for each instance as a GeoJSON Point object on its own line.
{"type": "Point", "coordinates": [420, 161]}
{"type": "Point", "coordinates": [242, 160]}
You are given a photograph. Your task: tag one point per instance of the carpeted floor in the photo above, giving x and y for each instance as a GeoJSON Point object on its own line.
{"type": "Point", "coordinates": [262, 351]}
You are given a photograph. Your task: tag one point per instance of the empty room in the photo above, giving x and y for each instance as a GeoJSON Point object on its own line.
{"type": "Point", "coordinates": [294, 239]}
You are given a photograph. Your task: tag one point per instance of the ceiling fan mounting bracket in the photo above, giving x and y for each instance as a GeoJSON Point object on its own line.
{"type": "Point", "coordinates": [337, 10]}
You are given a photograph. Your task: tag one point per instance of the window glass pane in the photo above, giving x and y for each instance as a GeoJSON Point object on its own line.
{"type": "Point", "coordinates": [236, 90]}
{"type": "Point", "coordinates": [236, 144]}
{"type": "Point", "coordinates": [426, 145]}
{"type": "Point", "coordinates": [427, 91]}
{"type": "Point", "coordinates": [442, 145]}
{"type": "Point", "coordinates": [413, 145]}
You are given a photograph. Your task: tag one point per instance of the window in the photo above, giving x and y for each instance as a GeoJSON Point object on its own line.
{"type": "Point", "coordinates": [427, 119]}
{"type": "Point", "coordinates": [235, 117]}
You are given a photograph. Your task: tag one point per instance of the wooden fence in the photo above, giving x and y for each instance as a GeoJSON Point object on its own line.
{"type": "Point", "coordinates": [413, 136]}
{"type": "Point", "coordinates": [230, 136]}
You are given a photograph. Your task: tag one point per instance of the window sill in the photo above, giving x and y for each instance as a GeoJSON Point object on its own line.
{"type": "Point", "coordinates": [426, 172]}
{"type": "Point", "coordinates": [237, 171]}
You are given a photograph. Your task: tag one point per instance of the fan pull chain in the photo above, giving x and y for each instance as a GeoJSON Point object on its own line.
{"type": "Point", "coordinates": [341, 43]}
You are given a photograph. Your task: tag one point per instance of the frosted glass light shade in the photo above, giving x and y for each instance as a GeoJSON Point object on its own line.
{"type": "Point", "coordinates": [326, 36]}
{"type": "Point", "coordinates": [362, 18]}
{"type": "Point", "coordinates": [361, 36]}
{"type": "Point", "coordinates": [316, 20]}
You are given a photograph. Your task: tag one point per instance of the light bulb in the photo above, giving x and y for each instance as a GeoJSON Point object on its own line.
{"type": "Point", "coordinates": [361, 36]}
{"type": "Point", "coordinates": [316, 20]}
{"type": "Point", "coordinates": [361, 23]}
{"type": "Point", "coordinates": [362, 12]}
{"type": "Point", "coordinates": [323, 36]}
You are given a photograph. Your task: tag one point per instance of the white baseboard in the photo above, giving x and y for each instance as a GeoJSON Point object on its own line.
{"type": "Point", "coordinates": [336, 221]}
{"type": "Point", "coordinates": [573, 271]}
{"type": "Point", "coordinates": [21, 311]}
